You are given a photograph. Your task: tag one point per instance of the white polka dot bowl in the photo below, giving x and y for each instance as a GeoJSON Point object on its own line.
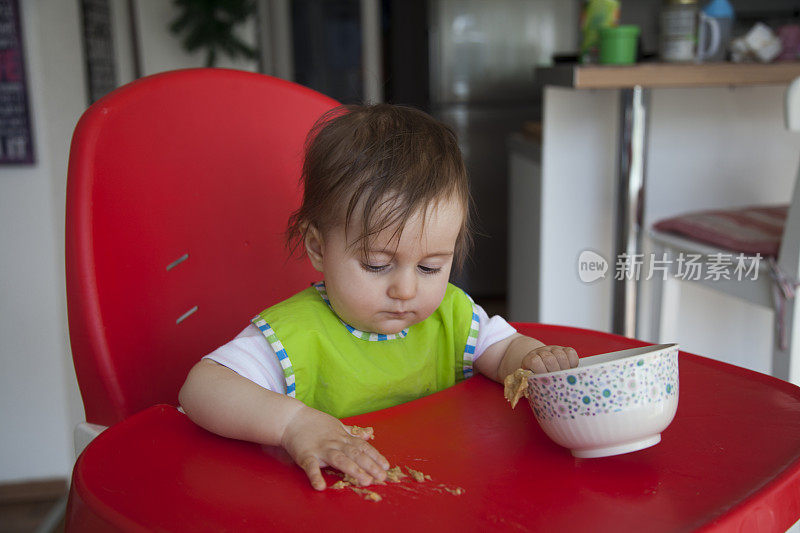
{"type": "Point", "coordinates": [610, 404]}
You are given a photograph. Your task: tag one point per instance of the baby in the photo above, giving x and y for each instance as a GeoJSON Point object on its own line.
{"type": "Point", "coordinates": [385, 217]}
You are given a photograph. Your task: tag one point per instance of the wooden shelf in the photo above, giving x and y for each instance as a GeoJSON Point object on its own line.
{"type": "Point", "coordinates": [668, 75]}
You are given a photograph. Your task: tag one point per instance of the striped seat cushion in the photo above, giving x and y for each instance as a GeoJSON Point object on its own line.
{"type": "Point", "coordinates": [749, 230]}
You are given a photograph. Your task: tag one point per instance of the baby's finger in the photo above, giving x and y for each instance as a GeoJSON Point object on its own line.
{"type": "Point", "coordinates": [550, 361]}
{"type": "Point", "coordinates": [311, 466]}
{"type": "Point", "coordinates": [378, 457]}
{"type": "Point", "coordinates": [534, 362]}
{"type": "Point", "coordinates": [360, 454]}
{"type": "Point", "coordinates": [572, 357]}
{"type": "Point", "coordinates": [338, 459]}
{"type": "Point", "coordinates": [562, 358]}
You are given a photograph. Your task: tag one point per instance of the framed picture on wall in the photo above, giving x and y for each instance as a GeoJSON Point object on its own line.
{"type": "Point", "coordinates": [16, 135]}
{"type": "Point", "coordinates": [98, 47]}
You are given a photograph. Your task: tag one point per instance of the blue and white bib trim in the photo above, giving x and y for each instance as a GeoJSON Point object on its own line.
{"type": "Point", "coordinates": [363, 335]}
{"type": "Point", "coordinates": [472, 341]}
{"type": "Point", "coordinates": [280, 351]}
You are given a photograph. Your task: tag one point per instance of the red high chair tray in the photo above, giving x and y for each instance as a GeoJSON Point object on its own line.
{"type": "Point", "coordinates": [730, 460]}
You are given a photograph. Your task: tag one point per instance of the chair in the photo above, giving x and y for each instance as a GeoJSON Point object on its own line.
{"type": "Point", "coordinates": [180, 186]}
{"type": "Point", "coordinates": [706, 234]}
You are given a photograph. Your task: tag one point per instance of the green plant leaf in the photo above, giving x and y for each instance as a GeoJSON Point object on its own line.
{"type": "Point", "coordinates": [209, 25]}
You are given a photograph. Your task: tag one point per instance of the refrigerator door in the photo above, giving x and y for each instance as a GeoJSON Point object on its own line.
{"type": "Point", "coordinates": [482, 58]}
{"type": "Point", "coordinates": [482, 133]}
{"type": "Point", "coordinates": [485, 51]}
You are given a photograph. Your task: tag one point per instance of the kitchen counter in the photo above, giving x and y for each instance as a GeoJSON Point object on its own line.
{"type": "Point", "coordinates": [667, 75]}
{"type": "Point", "coordinates": [631, 86]}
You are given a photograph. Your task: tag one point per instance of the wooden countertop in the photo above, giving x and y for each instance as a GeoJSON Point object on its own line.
{"type": "Point", "coordinates": [667, 75]}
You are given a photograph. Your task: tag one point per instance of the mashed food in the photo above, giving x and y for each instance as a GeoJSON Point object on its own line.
{"type": "Point", "coordinates": [516, 385]}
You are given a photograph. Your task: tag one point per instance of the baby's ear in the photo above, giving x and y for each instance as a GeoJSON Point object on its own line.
{"type": "Point", "coordinates": [314, 244]}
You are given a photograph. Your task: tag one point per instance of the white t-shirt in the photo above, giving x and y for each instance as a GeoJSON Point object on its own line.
{"type": "Point", "coordinates": [251, 356]}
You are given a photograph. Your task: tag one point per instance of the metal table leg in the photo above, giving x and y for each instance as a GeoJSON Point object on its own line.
{"type": "Point", "coordinates": [631, 150]}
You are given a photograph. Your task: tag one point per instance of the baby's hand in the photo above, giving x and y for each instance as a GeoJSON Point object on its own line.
{"type": "Point", "coordinates": [550, 358]}
{"type": "Point", "coordinates": [315, 439]}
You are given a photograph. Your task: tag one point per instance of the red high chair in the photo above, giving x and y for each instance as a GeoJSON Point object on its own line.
{"type": "Point", "coordinates": [179, 190]}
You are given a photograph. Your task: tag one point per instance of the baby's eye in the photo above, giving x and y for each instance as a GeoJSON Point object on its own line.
{"type": "Point", "coordinates": [429, 270]}
{"type": "Point", "coordinates": [373, 268]}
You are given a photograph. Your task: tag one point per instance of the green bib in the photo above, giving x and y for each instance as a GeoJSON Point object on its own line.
{"type": "Point", "coordinates": [332, 367]}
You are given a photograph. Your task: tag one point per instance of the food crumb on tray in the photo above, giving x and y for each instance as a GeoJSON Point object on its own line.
{"type": "Point", "coordinates": [417, 475]}
{"type": "Point", "coordinates": [367, 494]}
{"type": "Point", "coordinates": [395, 474]}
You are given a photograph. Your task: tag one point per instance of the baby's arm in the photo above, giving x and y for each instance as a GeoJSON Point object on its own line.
{"type": "Point", "coordinates": [518, 351]}
{"type": "Point", "coordinates": [223, 402]}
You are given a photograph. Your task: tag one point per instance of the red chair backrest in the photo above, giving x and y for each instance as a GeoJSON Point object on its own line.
{"type": "Point", "coordinates": [200, 164]}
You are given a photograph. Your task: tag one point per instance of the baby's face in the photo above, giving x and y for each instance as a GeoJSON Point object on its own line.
{"type": "Point", "coordinates": [393, 288]}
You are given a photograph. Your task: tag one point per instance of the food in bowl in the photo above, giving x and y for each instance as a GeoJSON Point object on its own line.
{"type": "Point", "coordinates": [610, 404]}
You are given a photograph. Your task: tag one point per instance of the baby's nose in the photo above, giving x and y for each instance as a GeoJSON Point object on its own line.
{"type": "Point", "coordinates": [403, 286]}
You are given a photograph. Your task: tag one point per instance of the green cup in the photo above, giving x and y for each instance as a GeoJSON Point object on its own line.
{"type": "Point", "coordinates": [618, 45]}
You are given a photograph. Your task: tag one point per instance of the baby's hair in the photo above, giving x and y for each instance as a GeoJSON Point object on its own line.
{"type": "Point", "coordinates": [383, 163]}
